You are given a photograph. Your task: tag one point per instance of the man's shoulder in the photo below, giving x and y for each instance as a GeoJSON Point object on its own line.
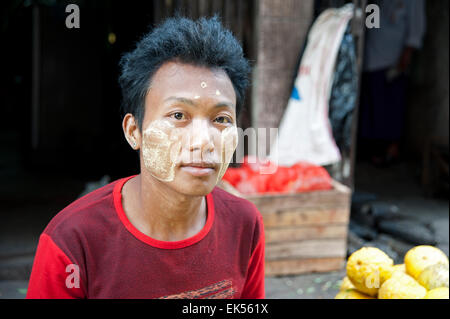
{"type": "Point", "coordinates": [239, 216]}
{"type": "Point", "coordinates": [232, 204]}
{"type": "Point", "coordinates": [84, 211]}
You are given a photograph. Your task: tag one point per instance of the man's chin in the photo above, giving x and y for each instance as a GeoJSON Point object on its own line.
{"type": "Point", "coordinates": [194, 187]}
{"type": "Point", "coordinates": [198, 193]}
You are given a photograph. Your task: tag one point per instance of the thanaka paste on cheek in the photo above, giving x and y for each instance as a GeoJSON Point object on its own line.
{"type": "Point", "coordinates": [229, 139]}
{"type": "Point", "coordinates": [161, 149]}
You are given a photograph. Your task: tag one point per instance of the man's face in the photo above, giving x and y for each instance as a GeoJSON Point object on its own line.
{"type": "Point", "coordinates": [189, 129]}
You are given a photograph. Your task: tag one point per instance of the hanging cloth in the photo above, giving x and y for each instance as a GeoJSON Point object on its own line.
{"type": "Point", "coordinates": [305, 132]}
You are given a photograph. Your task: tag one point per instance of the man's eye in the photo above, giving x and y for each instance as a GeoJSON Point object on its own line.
{"type": "Point", "coordinates": [222, 119]}
{"type": "Point", "coordinates": [178, 116]}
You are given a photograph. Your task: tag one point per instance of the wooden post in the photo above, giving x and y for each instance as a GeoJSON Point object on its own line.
{"type": "Point", "coordinates": [281, 29]}
{"type": "Point", "coordinates": [358, 28]}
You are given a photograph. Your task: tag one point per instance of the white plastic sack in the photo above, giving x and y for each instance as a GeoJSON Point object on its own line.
{"type": "Point", "coordinates": [305, 132]}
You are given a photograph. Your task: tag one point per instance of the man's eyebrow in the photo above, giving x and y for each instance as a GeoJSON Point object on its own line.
{"type": "Point", "coordinates": [181, 99]}
{"type": "Point", "coordinates": [191, 102]}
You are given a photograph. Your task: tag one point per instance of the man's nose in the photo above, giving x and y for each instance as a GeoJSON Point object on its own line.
{"type": "Point", "coordinates": [201, 137]}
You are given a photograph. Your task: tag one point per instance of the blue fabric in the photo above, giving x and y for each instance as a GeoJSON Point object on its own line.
{"type": "Point", "coordinates": [295, 95]}
{"type": "Point", "coordinates": [344, 92]}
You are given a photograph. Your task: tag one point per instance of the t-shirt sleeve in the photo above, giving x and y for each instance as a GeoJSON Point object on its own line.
{"type": "Point", "coordinates": [254, 285]}
{"type": "Point", "coordinates": [54, 275]}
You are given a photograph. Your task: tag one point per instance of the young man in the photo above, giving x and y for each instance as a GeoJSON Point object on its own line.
{"type": "Point", "coordinates": [167, 232]}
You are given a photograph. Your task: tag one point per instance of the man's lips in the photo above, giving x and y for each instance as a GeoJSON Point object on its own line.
{"type": "Point", "coordinates": [200, 165]}
{"type": "Point", "coordinates": [198, 169]}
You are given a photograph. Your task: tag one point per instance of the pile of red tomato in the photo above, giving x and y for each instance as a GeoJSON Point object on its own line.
{"type": "Point", "coordinates": [252, 177]}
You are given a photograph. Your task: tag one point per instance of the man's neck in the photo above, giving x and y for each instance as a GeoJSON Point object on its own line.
{"type": "Point", "coordinates": [160, 212]}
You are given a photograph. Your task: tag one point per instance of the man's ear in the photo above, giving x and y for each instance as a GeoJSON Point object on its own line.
{"type": "Point", "coordinates": [132, 132]}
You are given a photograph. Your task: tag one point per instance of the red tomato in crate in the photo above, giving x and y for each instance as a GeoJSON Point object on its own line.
{"type": "Point", "coordinates": [314, 178]}
{"type": "Point", "coordinates": [279, 181]}
{"type": "Point", "coordinates": [300, 177]}
{"type": "Point", "coordinates": [251, 185]}
{"type": "Point", "coordinates": [256, 165]}
{"type": "Point", "coordinates": [233, 175]}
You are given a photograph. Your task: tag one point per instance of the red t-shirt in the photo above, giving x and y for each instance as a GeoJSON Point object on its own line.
{"type": "Point", "coordinates": [91, 250]}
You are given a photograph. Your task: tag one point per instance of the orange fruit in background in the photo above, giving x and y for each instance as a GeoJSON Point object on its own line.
{"type": "Point", "coordinates": [352, 294]}
{"type": "Point", "coordinates": [365, 268]}
{"type": "Point", "coordinates": [421, 257]}
{"type": "Point", "coordinates": [401, 286]}
{"type": "Point", "coordinates": [346, 284]}
{"type": "Point", "coordinates": [387, 272]}
{"type": "Point", "coordinates": [434, 276]}
{"type": "Point", "coordinates": [437, 293]}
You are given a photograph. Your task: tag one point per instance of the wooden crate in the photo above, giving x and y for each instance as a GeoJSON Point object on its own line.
{"type": "Point", "coordinates": [305, 232]}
